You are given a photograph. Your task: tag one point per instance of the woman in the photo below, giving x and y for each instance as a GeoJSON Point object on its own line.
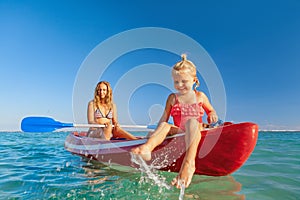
{"type": "Point", "coordinates": [102, 110]}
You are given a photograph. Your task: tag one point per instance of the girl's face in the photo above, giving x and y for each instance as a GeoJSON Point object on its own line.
{"type": "Point", "coordinates": [183, 82]}
{"type": "Point", "coordinates": [102, 90]}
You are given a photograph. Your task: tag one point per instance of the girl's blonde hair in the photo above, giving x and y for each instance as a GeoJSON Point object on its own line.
{"type": "Point", "coordinates": [186, 66]}
{"type": "Point", "coordinates": [108, 99]}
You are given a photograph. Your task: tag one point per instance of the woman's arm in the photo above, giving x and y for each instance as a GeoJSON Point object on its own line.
{"type": "Point", "coordinates": [117, 130]}
{"type": "Point", "coordinates": [90, 113]}
{"type": "Point", "coordinates": [115, 115]}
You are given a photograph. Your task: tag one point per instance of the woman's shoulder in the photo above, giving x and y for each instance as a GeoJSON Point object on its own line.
{"type": "Point", "coordinates": [91, 102]}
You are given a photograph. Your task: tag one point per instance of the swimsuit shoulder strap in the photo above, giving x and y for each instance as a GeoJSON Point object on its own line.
{"type": "Point", "coordinates": [109, 112]}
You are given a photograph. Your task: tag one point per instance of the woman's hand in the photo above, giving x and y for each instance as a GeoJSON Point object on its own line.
{"type": "Point", "coordinates": [108, 125]}
{"type": "Point", "coordinates": [116, 124]}
{"type": "Point", "coordinates": [102, 120]}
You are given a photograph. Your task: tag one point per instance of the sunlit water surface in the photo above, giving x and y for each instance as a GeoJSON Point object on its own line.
{"type": "Point", "coordinates": [36, 166]}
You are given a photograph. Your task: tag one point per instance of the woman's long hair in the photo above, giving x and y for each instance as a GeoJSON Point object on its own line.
{"type": "Point", "coordinates": [108, 99]}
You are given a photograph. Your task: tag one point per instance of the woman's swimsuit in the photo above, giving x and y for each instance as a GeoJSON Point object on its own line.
{"type": "Point", "coordinates": [99, 132]}
{"type": "Point", "coordinates": [99, 114]}
{"type": "Point", "coordinates": [183, 112]}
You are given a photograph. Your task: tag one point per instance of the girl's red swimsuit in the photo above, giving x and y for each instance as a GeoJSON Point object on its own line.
{"type": "Point", "coordinates": [183, 112]}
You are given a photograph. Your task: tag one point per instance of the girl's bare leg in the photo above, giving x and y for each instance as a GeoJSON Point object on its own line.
{"type": "Point", "coordinates": [192, 139]}
{"type": "Point", "coordinates": [156, 139]}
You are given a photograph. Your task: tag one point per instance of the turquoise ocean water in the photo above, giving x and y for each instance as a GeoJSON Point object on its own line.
{"type": "Point", "coordinates": [36, 166]}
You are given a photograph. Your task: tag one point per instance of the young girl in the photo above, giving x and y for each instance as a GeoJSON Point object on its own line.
{"type": "Point", "coordinates": [102, 110]}
{"type": "Point", "coordinates": [187, 107]}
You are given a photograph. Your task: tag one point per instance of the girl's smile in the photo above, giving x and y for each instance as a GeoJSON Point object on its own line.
{"type": "Point", "coordinates": [183, 82]}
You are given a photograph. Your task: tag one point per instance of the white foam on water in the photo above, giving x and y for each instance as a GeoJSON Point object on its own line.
{"type": "Point", "coordinates": [149, 170]}
{"type": "Point", "coordinates": [182, 188]}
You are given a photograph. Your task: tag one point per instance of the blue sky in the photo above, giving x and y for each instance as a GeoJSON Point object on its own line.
{"type": "Point", "coordinates": [254, 44]}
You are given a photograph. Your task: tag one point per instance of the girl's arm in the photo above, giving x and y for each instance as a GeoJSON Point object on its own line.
{"type": "Point", "coordinates": [210, 111]}
{"type": "Point", "coordinates": [166, 115]}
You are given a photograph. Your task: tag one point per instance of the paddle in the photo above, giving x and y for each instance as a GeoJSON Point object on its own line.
{"type": "Point", "coordinates": [47, 124]}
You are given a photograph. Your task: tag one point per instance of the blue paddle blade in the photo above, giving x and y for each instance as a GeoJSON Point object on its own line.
{"type": "Point", "coordinates": [42, 124]}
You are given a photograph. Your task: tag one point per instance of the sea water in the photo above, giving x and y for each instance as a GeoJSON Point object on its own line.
{"type": "Point", "coordinates": [36, 166]}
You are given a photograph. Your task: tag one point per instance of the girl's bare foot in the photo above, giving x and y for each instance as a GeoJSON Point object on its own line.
{"type": "Point", "coordinates": [143, 151]}
{"type": "Point", "coordinates": [185, 175]}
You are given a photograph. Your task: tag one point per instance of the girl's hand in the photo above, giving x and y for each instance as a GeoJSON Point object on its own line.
{"type": "Point", "coordinates": [212, 118]}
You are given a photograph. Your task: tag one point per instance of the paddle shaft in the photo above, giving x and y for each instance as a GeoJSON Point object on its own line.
{"type": "Point", "coordinates": [47, 124]}
{"type": "Point", "coordinates": [101, 126]}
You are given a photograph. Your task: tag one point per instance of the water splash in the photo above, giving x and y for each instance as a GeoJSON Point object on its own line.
{"type": "Point", "coordinates": [149, 170]}
{"type": "Point", "coordinates": [182, 188]}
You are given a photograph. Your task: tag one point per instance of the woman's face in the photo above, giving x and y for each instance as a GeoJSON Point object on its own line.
{"type": "Point", "coordinates": [102, 90]}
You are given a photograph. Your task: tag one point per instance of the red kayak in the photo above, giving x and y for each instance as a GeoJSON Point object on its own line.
{"type": "Point", "coordinates": [221, 151]}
